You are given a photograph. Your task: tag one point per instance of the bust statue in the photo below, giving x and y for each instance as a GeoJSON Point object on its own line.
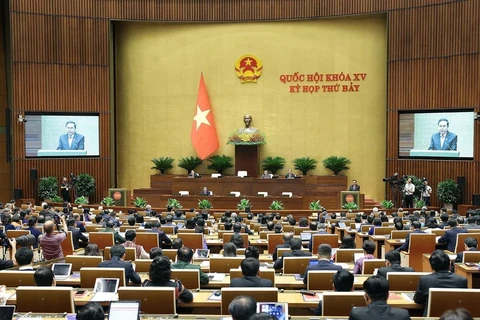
{"type": "Point", "coordinates": [247, 119]}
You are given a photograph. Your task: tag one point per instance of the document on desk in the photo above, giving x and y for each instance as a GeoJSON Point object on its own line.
{"type": "Point", "coordinates": [105, 296]}
{"type": "Point", "coordinates": [205, 264]}
{"type": "Point", "coordinates": [408, 296]}
{"type": "Point", "coordinates": [316, 297]}
{"type": "Point", "coordinates": [343, 265]}
{"type": "Point", "coordinates": [216, 276]}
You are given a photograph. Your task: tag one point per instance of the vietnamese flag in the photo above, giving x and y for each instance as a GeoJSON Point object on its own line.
{"type": "Point", "coordinates": [204, 134]}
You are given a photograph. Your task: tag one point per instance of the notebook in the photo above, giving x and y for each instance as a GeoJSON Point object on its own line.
{"type": "Point", "coordinates": [6, 312]}
{"type": "Point", "coordinates": [105, 289]}
{"type": "Point", "coordinates": [276, 309]}
{"type": "Point", "coordinates": [62, 271]}
{"type": "Point", "coordinates": [124, 310]}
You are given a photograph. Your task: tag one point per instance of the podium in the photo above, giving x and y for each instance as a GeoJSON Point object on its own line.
{"type": "Point", "coordinates": [119, 195]}
{"type": "Point", "coordinates": [247, 158]}
{"type": "Point", "coordinates": [350, 196]}
{"type": "Point", "coordinates": [435, 153]}
{"type": "Point", "coordinates": [61, 153]}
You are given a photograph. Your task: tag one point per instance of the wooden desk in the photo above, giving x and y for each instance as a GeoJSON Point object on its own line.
{"type": "Point", "coordinates": [393, 244]}
{"type": "Point", "coordinates": [379, 241]}
{"type": "Point", "coordinates": [360, 237]}
{"type": "Point", "coordinates": [471, 273]}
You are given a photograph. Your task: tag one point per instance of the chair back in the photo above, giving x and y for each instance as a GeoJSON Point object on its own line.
{"type": "Point", "coordinates": [273, 240]}
{"type": "Point", "coordinates": [318, 239]}
{"type": "Point", "coordinates": [259, 294]}
{"type": "Point", "coordinates": [89, 275]}
{"type": "Point", "coordinates": [399, 234]}
{"type": "Point", "coordinates": [404, 281]}
{"type": "Point", "coordinates": [288, 228]}
{"type": "Point", "coordinates": [220, 233]}
{"type": "Point", "coordinates": [460, 247]}
{"type": "Point", "coordinates": [295, 265]}
{"type": "Point", "coordinates": [340, 304]}
{"type": "Point", "coordinates": [167, 229]}
{"type": "Point", "coordinates": [281, 251]}
{"type": "Point", "coordinates": [263, 234]}
{"type": "Point", "coordinates": [227, 236]}
{"type": "Point", "coordinates": [192, 240]}
{"type": "Point", "coordinates": [148, 240]}
{"type": "Point", "coordinates": [381, 231]}
{"type": "Point", "coordinates": [125, 227]}
{"type": "Point", "coordinates": [439, 232]}
{"type": "Point", "coordinates": [143, 265]}
{"type": "Point", "coordinates": [320, 280]}
{"type": "Point", "coordinates": [346, 255]}
{"type": "Point", "coordinates": [45, 299]}
{"type": "Point", "coordinates": [92, 227]}
{"type": "Point", "coordinates": [186, 231]}
{"type": "Point", "coordinates": [265, 274]}
{"type": "Point", "coordinates": [154, 300]}
{"type": "Point", "coordinates": [67, 244]}
{"type": "Point", "coordinates": [365, 228]}
{"type": "Point", "coordinates": [369, 265]}
{"type": "Point", "coordinates": [130, 254]}
{"type": "Point", "coordinates": [224, 264]}
{"type": "Point", "coordinates": [442, 299]}
{"type": "Point", "coordinates": [468, 256]}
{"type": "Point", "coordinates": [420, 243]}
{"type": "Point", "coordinates": [190, 277]}
{"type": "Point", "coordinates": [102, 239]}
{"type": "Point", "coordinates": [170, 253]}
{"type": "Point", "coordinates": [15, 278]}
{"type": "Point", "coordinates": [298, 230]}
{"type": "Point", "coordinates": [79, 262]}
{"type": "Point", "coordinates": [17, 233]}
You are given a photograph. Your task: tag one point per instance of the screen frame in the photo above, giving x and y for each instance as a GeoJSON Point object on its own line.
{"type": "Point", "coordinates": [60, 113]}
{"type": "Point", "coordinates": [418, 111]}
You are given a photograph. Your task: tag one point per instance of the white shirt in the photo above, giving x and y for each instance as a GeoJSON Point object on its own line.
{"type": "Point", "coordinates": [409, 189]}
{"type": "Point", "coordinates": [427, 192]}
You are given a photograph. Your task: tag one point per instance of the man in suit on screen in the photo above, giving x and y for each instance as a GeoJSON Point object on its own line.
{"type": "Point", "coordinates": [444, 139]}
{"type": "Point", "coordinates": [71, 140]}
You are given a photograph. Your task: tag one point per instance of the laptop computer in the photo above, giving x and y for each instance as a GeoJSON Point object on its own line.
{"type": "Point", "coordinates": [305, 236]}
{"type": "Point", "coordinates": [124, 310]}
{"type": "Point", "coordinates": [342, 225]}
{"type": "Point", "coordinates": [105, 289]}
{"type": "Point", "coordinates": [201, 253]}
{"type": "Point", "coordinates": [62, 271]}
{"type": "Point", "coordinates": [276, 309]}
{"type": "Point", "coordinates": [7, 312]}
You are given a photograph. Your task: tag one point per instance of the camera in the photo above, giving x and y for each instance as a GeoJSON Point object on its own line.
{"type": "Point", "coordinates": [56, 218]}
{"type": "Point", "coordinates": [25, 240]}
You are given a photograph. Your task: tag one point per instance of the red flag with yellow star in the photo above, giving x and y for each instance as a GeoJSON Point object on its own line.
{"type": "Point", "coordinates": [204, 134]}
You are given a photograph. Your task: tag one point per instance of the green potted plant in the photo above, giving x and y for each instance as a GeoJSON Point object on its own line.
{"type": "Point", "coordinates": [350, 206]}
{"type": "Point", "coordinates": [448, 192]}
{"type": "Point", "coordinates": [304, 164]}
{"type": "Point", "coordinates": [85, 185]}
{"type": "Point", "coordinates": [418, 203]}
{"type": "Point", "coordinates": [57, 199]}
{"type": "Point", "coordinates": [204, 204]}
{"type": "Point", "coordinates": [273, 164]}
{"type": "Point", "coordinates": [173, 203]}
{"type": "Point", "coordinates": [81, 200]}
{"type": "Point", "coordinates": [315, 205]}
{"type": "Point", "coordinates": [48, 187]}
{"type": "Point", "coordinates": [244, 204]}
{"type": "Point", "coordinates": [108, 201]}
{"type": "Point", "coordinates": [387, 204]}
{"type": "Point", "coordinates": [140, 202]}
{"type": "Point", "coordinates": [163, 164]}
{"type": "Point", "coordinates": [189, 163]}
{"type": "Point", "coordinates": [276, 205]}
{"type": "Point", "coordinates": [220, 163]}
{"type": "Point", "coordinates": [336, 164]}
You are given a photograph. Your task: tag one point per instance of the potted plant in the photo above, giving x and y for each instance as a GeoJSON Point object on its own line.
{"type": "Point", "coordinates": [140, 202]}
{"type": "Point", "coordinates": [108, 201]}
{"type": "Point", "coordinates": [204, 204]}
{"type": "Point", "coordinates": [173, 203]}
{"type": "Point", "coordinates": [304, 164]}
{"type": "Point", "coordinates": [47, 187]}
{"type": "Point", "coordinates": [220, 163]}
{"type": "Point", "coordinates": [315, 205]}
{"type": "Point", "coordinates": [163, 164]}
{"type": "Point", "coordinates": [418, 203]}
{"type": "Point", "coordinates": [273, 164]}
{"type": "Point", "coordinates": [350, 206]}
{"type": "Point", "coordinates": [387, 204]}
{"type": "Point", "coordinates": [276, 205]}
{"type": "Point", "coordinates": [448, 192]}
{"type": "Point", "coordinates": [85, 185]}
{"type": "Point", "coordinates": [81, 200]}
{"type": "Point", "coordinates": [244, 204]}
{"type": "Point", "coordinates": [57, 199]}
{"type": "Point", "coordinates": [336, 164]}
{"type": "Point", "coordinates": [189, 163]}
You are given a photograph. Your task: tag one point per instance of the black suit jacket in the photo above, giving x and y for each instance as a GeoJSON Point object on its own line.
{"type": "Point", "coordinates": [294, 253]}
{"type": "Point", "coordinates": [378, 310]}
{"type": "Point", "coordinates": [130, 274]}
{"type": "Point", "coordinates": [76, 237]}
{"type": "Point", "coordinates": [440, 279]}
{"type": "Point", "coordinates": [321, 265]}
{"type": "Point", "coordinates": [354, 188]}
{"type": "Point", "coordinates": [450, 237]}
{"type": "Point", "coordinates": [250, 282]}
{"type": "Point", "coordinates": [382, 272]}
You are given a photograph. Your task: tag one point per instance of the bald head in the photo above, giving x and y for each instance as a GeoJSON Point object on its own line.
{"type": "Point", "coordinates": [48, 226]}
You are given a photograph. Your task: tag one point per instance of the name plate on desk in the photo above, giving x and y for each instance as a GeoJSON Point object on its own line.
{"type": "Point", "coordinates": [435, 153]}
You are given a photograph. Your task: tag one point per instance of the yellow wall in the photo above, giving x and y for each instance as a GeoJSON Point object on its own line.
{"type": "Point", "coordinates": [158, 68]}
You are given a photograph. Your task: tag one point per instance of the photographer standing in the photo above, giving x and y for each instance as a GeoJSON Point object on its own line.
{"type": "Point", "coordinates": [7, 264]}
{"type": "Point", "coordinates": [426, 192]}
{"type": "Point", "coordinates": [50, 242]}
{"type": "Point", "coordinates": [409, 190]}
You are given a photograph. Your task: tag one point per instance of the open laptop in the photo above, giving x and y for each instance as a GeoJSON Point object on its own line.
{"type": "Point", "coordinates": [105, 289]}
{"type": "Point", "coordinates": [7, 312]}
{"type": "Point", "coordinates": [62, 271]}
{"type": "Point", "coordinates": [201, 253]}
{"type": "Point", "coordinates": [276, 309]}
{"type": "Point", "coordinates": [124, 310]}
{"type": "Point", "coordinates": [342, 225]}
{"type": "Point", "coordinates": [305, 236]}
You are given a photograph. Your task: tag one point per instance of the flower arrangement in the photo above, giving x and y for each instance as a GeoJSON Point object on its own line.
{"type": "Point", "coordinates": [243, 138]}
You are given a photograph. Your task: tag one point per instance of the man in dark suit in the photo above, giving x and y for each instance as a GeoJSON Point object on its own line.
{"type": "Point", "coordinates": [392, 264]}
{"type": "Point", "coordinates": [32, 223]}
{"type": "Point", "coordinates": [416, 228]}
{"type": "Point", "coordinates": [117, 254]}
{"type": "Point", "coordinates": [296, 247]}
{"type": "Point", "coordinates": [354, 186]}
{"type": "Point", "coordinates": [77, 236]}
{"type": "Point", "coordinates": [342, 282]}
{"type": "Point", "coordinates": [470, 245]}
{"type": "Point", "coordinates": [321, 230]}
{"type": "Point", "coordinates": [450, 236]}
{"type": "Point", "coordinates": [440, 278]}
{"type": "Point", "coordinates": [250, 269]}
{"type": "Point", "coordinates": [324, 263]}
{"type": "Point", "coordinates": [287, 237]}
{"type": "Point", "coordinates": [472, 223]}
{"type": "Point", "coordinates": [163, 239]}
{"type": "Point", "coordinates": [444, 219]}
{"type": "Point", "coordinates": [376, 295]}
{"type": "Point", "coordinates": [71, 140]}
{"type": "Point", "coordinates": [205, 192]}
{"type": "Point", "coordinates": [444, 139]}
{"type": "Point", "coordinates": [290, 174]}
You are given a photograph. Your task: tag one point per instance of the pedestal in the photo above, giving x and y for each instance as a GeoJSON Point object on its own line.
{"type": "Point", "coordinates": [247, 159]}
